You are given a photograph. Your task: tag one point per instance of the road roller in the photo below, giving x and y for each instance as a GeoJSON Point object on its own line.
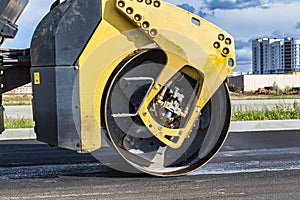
{"type": "Point", "coordinates": [146, 76]}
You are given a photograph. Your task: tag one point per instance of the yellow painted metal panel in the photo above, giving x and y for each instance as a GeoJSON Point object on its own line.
{"type": "Point", "coordinates": [127, 26]}
{"type": "Point", "coordinates": [110, 44]}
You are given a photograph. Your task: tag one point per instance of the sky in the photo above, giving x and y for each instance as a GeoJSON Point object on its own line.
{"type": "Point", "coordinates": [245, 20]}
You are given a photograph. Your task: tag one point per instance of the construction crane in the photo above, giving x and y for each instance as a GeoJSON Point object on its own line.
{"type": "Point", "coordinates": [146, 75]}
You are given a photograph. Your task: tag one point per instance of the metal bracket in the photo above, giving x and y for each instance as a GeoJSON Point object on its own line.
{"type": "Point", "coordinates": [14, 72]}
{"type": "Point", "coordinates": [187, 40]}
{"type": "Point", "coordinates": [9, 13]}
{"type": "Point", "coordinates": [14, 69]}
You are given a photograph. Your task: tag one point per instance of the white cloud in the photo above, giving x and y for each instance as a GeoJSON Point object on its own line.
{"type": "Point", "coordinates": [246, 23]}
{"type": "Point", "coordinates": [244, 19]}
{"type": "Point", "coordinates": [279, 20]}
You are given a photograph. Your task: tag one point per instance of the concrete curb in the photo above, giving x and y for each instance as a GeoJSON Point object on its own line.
{"type": "Point", "coordinates": [18, 134]}
{"type": "Point", "coordinates": [236, 127]}
{"type": "Point", "coordinates": [269, 125]}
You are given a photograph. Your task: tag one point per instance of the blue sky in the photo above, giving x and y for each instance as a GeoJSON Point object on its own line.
{"type": "Point", "coordinates": [244, 19]}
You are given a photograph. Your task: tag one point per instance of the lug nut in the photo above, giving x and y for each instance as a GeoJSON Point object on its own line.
{"type": "Point", "coordinates": [221, 37]}
{"type": "Point", "coordinates": [146, 24]}
{"type": "Point", "coordinates": [217, 45]}
{"type": "Point", "coordinates": [153, 32]}
{"type": "Point", "coordinates": [228, 41]}
{"type": "Point", "coordinates": [137, 17]}
{"type": "Point", "coordinates": [156, 4]}
{"type": "Point", "coordinates": [226, 51]}
{"type": "Point", "coordinates": [121, 4]}
{"type": "Point", "coordinates": [129, 10]}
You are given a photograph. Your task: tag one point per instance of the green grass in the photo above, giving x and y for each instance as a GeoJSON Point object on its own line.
{"type": "Point", "coordinates": [16, 104]}
{"type": "Point", "coordinates": [10, 123]}
{"type": "Point", "coordinates": [280, 112]}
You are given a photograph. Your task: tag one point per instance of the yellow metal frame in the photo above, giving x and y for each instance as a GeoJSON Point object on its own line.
{"type": "Point", "coordinates": [129, 25]}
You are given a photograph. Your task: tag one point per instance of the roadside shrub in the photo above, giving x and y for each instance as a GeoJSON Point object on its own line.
{"type": "Point", "coordinates": [280, 112]}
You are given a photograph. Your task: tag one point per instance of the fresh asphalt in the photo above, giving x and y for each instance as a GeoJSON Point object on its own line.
{"type": "Point", "coordinates": [251, 165]}
{"type": "Point", "coordinates": [260, 160]}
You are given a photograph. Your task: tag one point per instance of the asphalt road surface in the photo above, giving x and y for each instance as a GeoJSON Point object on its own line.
{"type": "Point", "coordinates": [18, 111]}
{"type": "Point", "coordinates": [261, 165]}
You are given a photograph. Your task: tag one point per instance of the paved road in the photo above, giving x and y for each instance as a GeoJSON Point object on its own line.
{"type": "Point", "coordinates": [260, 104]}
{"type": "Point", "coordinates": [18, 111]}
{"type": "Point", "coordinates": [26, 111]}
{"type": "Point", "coordinates": [265, 185]}
{"type": "Point", "coordinates": [263, 165]}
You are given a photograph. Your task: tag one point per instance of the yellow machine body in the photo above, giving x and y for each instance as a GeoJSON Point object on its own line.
{"type": "Point", "coordinates": [144, 76]}
{"type": "Point", "coordinates": [190, 42]}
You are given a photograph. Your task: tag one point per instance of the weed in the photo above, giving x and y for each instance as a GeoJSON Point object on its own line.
{"type": "Point", "coordinates": [280, 112]}
{"type": "Point", "coordinates": [11, 123]}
